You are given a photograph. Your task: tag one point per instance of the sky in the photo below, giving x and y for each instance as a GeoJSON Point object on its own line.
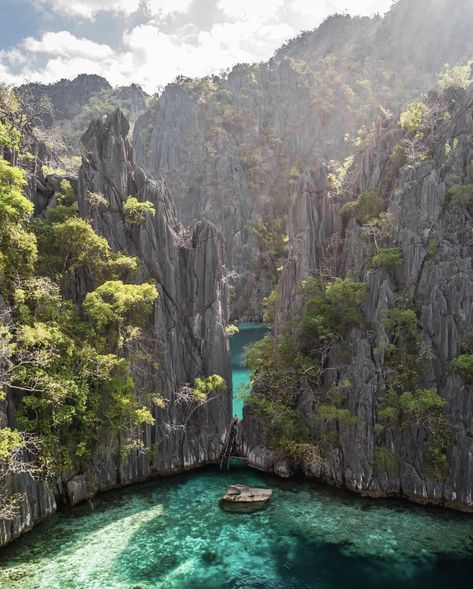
{"type": "Point", "coordinates": [150, 42]}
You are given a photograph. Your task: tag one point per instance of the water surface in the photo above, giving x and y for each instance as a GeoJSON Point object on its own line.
{"type": "Point", "coordinates": [248, 334]}
{"type": "Point", "coordinates": [171, 534]}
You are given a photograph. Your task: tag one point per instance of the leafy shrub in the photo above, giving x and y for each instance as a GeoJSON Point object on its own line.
{"type": "Point", "coordinates": [270, 305]}
{"type": "Point", "coordinates": [401, 322]}
{"type": "Point", "coordinates": [231, 329]}
{"type": "Point", "coordinates": [367, 207]}
{"type": "Point", "coordinates": [412, 119]}
{"type": "Point", "coordinates": [285, 428]}
{"type": "Point", "coordinates": [332, 412]}
{"type": "Point", "coordinates": [114, 304]}
{"type": "Point", "coordinates": [18, 247]}
{"type": "Point", "coordinates": [389, 258]}
{"type": "Point", "coordinates": [463, 367]}
{"type": "Point", "coordinates": [10, 439]}
{"type": "Point", "coordinates": [460, 195]}
{"type": "Point", "coordinates": [135, 211]}
{"type": "Point", "coordinates": [458, 76]}
{"type": "Point", "coordinates": [205, 387]}
{"type": "Point", "coordinates": [329, 310]}
{"type": "Point", "coordinates": [385, 461]}
{"type": "Point", "coordinates": [432, 249]}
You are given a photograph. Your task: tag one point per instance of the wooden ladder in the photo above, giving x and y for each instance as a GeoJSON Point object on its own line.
{"type": "Point", "coordinates": [227, 449]}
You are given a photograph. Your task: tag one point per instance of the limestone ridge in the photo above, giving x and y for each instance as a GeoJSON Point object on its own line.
{"type": "Point", "coordinates": [186, 263]}
{"type": "Point", "coordinates": [68, 97]}
{"type": "Point", "coordinates": [230, 147]}
{"type": "Point", "coordinates": [434, 235]}
{"type": "Point", "coordinates": [71, 104]}
{"type": "Point", "coordinates": [185, 339]}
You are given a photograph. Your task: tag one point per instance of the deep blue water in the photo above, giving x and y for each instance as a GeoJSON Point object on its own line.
{"type": "Point", "coordinates": [249, 334]}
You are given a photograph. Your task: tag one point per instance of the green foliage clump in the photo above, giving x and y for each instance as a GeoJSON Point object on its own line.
{"type": "Point", "coordinates": [463, 367]}
{"type": "Point", "coordinates": [11, 119]}
{"type": "Point", "coordinates": [432, 249]}
{"type": "Point", "coordinates": [270, 305]}
{"type": "Point", "coordinates": [271, 236]}
{"type": "Point", "coordinates": [285, 429]}
{"type": "Point", "coordinates": [458, 76]}
{"type": "Point", "coordinates": [401, 323]}
{"type": "Point", "coordinates": [412, 119]}
{"type": "Point", "coordinates": [260, 356]}
{"type": "Point", "coordinates": [75, 391]}
{"type": "Point", "coordinates": [280, 366]}
{"type": "Point", "coordinates": [114, 304]}
{"type": "Point", "coordinates": [135, 211]}
{"type": "Point", "coordinates": [18, 248]}
{"type": "Point", "coordinates": [272, 246]}
{"type": "Point", "coordinates": [66, 195]}
{"type": "Point", "coordinates": [460, 195]}
{"type": "Point", "coordinates": [75, 388]}
{"type": "Point", "coordinates": [389, 258]}
{"type": "Point", "coordinates": [69, 244]}
{"type": "Point", "coordinates": [329, 310]}
{"type": "Point", "coordinates": [205, 387]}
{"type": "Point", "coordinates": [385, 461]}
{"type": "Point", "coordinates": [367, 207]}
{"type": "Point", "coordinates": [328, 413]}
{"type": "Point", "coordinates": [10, 439]}
{"type": "Point", "coordinates": [422, 408]}
{"type": "Point", "coordinates": [231, 329]}
{"type": "Point", "coordinates": [422, 404]}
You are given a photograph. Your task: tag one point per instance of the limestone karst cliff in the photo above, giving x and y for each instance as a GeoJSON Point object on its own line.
{"type": "Point", "coordinates": [389, 413]}
{"type": "Point", "coordinates": [231, 147]}
{"type": "Point", "coordinates": [361, 385]}
{"type": "Point", "coordinates": [185, 338]}
{"type": "Point", "coordinates": [65, 108]}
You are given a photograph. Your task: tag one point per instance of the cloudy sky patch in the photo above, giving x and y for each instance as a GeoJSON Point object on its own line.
{"type": "Point", "coordinates": [150, 42]}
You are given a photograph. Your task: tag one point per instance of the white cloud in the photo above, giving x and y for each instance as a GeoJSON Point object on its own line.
{"type": "Point", "coordinates": [65, 44]}
{"type": "Point", "coordinates": [165, 7]}
{"type": "Point", "coordinates": [151, 55]}
{"type": "Point", "coordinates": [251, 9]}
{"type": "Point", "coordinates": [89, 8]}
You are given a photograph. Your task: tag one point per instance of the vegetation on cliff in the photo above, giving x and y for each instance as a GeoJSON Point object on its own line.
{"type": "Point", "coordinates": [64, 353]}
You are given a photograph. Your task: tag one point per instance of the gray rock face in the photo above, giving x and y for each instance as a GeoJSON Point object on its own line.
{"type": "Point", "coordinates": [436, 243]}
{"type": "Point", "coordinates": [185, 339]}
{"type": "Point", "coordinates": [230, 148]}
{"type": "Point", "coordinates": [68, 96]}
{"type": "Point", "coordinates": [75, 102]}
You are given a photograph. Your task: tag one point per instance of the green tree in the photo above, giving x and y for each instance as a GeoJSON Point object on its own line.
{"type": "Point", "coordinates": [135, 211]}
{"type": "Point", "coordinates": [113, 305]}
{"type": "Point", "coordinates": [463, 367]}
{"type": "Point", "coordinates": [18, 249]}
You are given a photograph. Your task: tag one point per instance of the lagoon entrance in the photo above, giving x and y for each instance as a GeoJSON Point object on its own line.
{"type": "Point", "coordinates": [249, 333]}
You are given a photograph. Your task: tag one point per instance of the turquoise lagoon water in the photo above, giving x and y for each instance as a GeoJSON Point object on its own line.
{"type": "Point", "coordinates": [249, 334]}
{"type": "Point", "coordinates": [171, 534]}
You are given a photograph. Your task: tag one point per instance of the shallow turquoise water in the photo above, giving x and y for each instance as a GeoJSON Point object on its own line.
{"type": "Point", "coordinates": [249, 334]}
{"type": "Point", "coordinates": [171, 534]}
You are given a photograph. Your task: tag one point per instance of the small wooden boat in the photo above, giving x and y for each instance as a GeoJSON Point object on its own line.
{"type": "Point", "coordinates": [243, 499]}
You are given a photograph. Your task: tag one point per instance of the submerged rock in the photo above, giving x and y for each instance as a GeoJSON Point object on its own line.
{"type": "Point", "coordinates": [243, 499]}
